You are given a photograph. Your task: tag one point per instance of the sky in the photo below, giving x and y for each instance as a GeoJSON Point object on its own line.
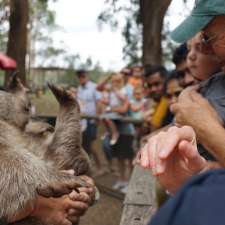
{"type": "Point", "coordinates": [79, 31]}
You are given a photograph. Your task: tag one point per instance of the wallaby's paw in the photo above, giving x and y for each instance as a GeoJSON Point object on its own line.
{"type": "Point", "coordinates": [63, 96]}
{"type": "Point", "coordinates": [63, 185]}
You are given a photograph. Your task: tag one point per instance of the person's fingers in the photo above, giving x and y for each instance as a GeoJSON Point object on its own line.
{"type": "Point", "coordinates": [144, 160]}
{"type": "Point", "coordinates": [66, 222]}
{"type": "Point", "coordinates": [72, 212]}
{"type": "Point", "coordinates": [82, 196]}
{"type": "Point", "coordinates": [172, 138]}
{"type": "Point", "coordinates": [174, 108]}
{"type": "Point", "coordinates": [186, 93]}
{"type": "Point", "coordinates": [137, 159]}
{"type": "Point", "coordinates": [73, 219]}
{"type": "Point", "coordinates": [153, 153]}
{"type": "Point", "coordinates": [169, 142]}
{"type": "Point", "coordinates": [76, 212]}
{"type": "Point", "coordinates": [78, 205]}
{"type": "Point", "coordinates": [196, 97]}
{"type": "Point", "coordinates": [86, 190]}
{"type": "Point", "coordinates": [185, 96]}
{"type": "Point", "coordinates": [161, 165]}
{"type": "Point", "coordinates": [195, 161]}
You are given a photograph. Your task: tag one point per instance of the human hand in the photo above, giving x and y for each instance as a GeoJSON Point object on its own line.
{"type": "Point", "coordinates": [57, 211]}
{"type": "Point", "coordinates": [172, 156]}
{"type": "Point", "coordinates": [85, 196]}
{"type": "Point", "coordinates": [194, 110]}
{"type": "Point", "coordinates": [91, 191]}
{"type": "Point", "coordinates": [81, 204]}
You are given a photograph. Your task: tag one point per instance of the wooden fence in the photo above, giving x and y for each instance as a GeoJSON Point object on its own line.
{"type": "Point", "coordinates": [140, 203]}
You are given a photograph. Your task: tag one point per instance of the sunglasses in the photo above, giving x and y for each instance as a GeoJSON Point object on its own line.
{"type": "Point", "coordinates": [205, 40]}
{"type": "Point", "coordinates": [171, 95]}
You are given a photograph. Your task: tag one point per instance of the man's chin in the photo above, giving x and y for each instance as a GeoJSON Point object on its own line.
{"type": "Point", "coordinates": [156, 97]}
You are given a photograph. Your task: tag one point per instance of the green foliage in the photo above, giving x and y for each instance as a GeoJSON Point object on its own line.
{"type": "Point", "coordinates": [131, 30]}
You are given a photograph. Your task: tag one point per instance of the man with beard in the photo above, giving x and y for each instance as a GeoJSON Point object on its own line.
{"type": "Point", "coordinates": [155, 77]}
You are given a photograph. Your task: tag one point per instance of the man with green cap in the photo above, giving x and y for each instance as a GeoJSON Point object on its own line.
{"type": "Point", "coordinates": [173, 155]}
{"type": "Point", "coordinates": [208, 17]}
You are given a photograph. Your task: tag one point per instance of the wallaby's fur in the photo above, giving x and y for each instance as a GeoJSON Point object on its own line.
{"type": "Point", "coordinates": [29, 165]}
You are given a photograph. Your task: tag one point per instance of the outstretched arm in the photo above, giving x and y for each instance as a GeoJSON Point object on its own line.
{"type": "Point", "coordinates": [173, 157]}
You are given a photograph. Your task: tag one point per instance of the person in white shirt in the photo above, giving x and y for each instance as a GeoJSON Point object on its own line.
{"type": "Point", "coordinates": [88, 98]}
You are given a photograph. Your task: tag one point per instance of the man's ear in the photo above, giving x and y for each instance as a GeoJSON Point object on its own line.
{"type": "Point", "coordinates": [15, 85]}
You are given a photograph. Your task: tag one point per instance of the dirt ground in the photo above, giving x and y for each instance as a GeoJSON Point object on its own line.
{"type": "Point", "coordinates": [106, 212]}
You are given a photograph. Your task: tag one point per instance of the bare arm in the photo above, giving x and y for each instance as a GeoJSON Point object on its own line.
{"type": "Point", "coordinates": [136, 108]}
{"type": "Point", "coordinates": [101, 85]}
{"type": "Point", "coordinates": [123, 108]}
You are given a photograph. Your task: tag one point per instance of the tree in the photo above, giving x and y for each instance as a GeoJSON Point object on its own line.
{"type": "Point", "coordinates": [17, 37]}
{"type": "Point", "coordinates": [152, 17]}
{"type": "Point", "coordinates": [142, 30]}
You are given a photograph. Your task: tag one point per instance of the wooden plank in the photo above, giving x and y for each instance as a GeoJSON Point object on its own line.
{"type": "Point", "coordinates": [136, 215]}
{"type": "Point", "coordinates": [141, 189]}
{"type": "Point", "coordinates": [125, 119]}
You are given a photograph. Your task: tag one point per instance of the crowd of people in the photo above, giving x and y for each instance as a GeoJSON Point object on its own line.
{"type": "Point", "coordinates": [186, 103]}
{"type": "Point", "coordinates": [192, 150]}
{"type": "Point", "coordinates": [181, 114]}
{"type": "Point", "coordinates": [142, 94]}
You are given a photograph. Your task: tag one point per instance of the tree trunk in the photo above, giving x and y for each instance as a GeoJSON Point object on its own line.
{"type": "Point", "coordinates": [17, 41]}
{"type": "Point", "coordinates": [152, 15]}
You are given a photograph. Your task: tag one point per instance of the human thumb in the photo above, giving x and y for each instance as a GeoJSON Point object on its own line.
{"type": "Point", "coordinates": [189, 151]}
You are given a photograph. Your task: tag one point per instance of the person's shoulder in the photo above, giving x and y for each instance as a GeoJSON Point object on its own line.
{"type": "Point", "coordinates": [214, 79]}
{"type": "Point", "coordinates": [214, 85]}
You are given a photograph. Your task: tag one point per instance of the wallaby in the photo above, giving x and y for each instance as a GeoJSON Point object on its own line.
{"type": "Point", "coordinates": [30, 167]}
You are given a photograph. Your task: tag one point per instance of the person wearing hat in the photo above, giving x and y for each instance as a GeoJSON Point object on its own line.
{"type": "Point", "coordinates": [88, 98]}
{"type": "Point", "coordinates": [177, 158]}
{"type": "Point", "coordinates": [209, 18]}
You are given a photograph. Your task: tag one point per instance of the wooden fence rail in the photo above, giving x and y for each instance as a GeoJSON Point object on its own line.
{"type": "Point", "coordinates": [140, 203]}
{"type": "Point", "coordinates": [126, 119]}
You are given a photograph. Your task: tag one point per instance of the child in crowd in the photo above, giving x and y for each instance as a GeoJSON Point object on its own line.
{"type": "Point", "coordinates": [137, 110]}
{"type": "Point", "coordinates": [137, 103]}
{"type": "Point", "coordinates": [116, 98]}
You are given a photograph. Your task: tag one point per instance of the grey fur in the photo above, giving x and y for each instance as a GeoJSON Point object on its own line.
{"type": "Point", "coordinates": [29, 166]}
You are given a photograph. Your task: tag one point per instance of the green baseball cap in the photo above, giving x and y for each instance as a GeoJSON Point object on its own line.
{"type": "Point", "coordinates": [203, 12]}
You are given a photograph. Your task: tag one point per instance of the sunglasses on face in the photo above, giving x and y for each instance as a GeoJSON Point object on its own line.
{"type": "Point", "coordinates": [171, 95]}
{"type": "Point", "coordinates": [206, 39]}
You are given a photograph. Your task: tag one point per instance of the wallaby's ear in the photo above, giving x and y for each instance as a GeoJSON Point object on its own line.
{"type": "Point", "coordinates": [15, 85]}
